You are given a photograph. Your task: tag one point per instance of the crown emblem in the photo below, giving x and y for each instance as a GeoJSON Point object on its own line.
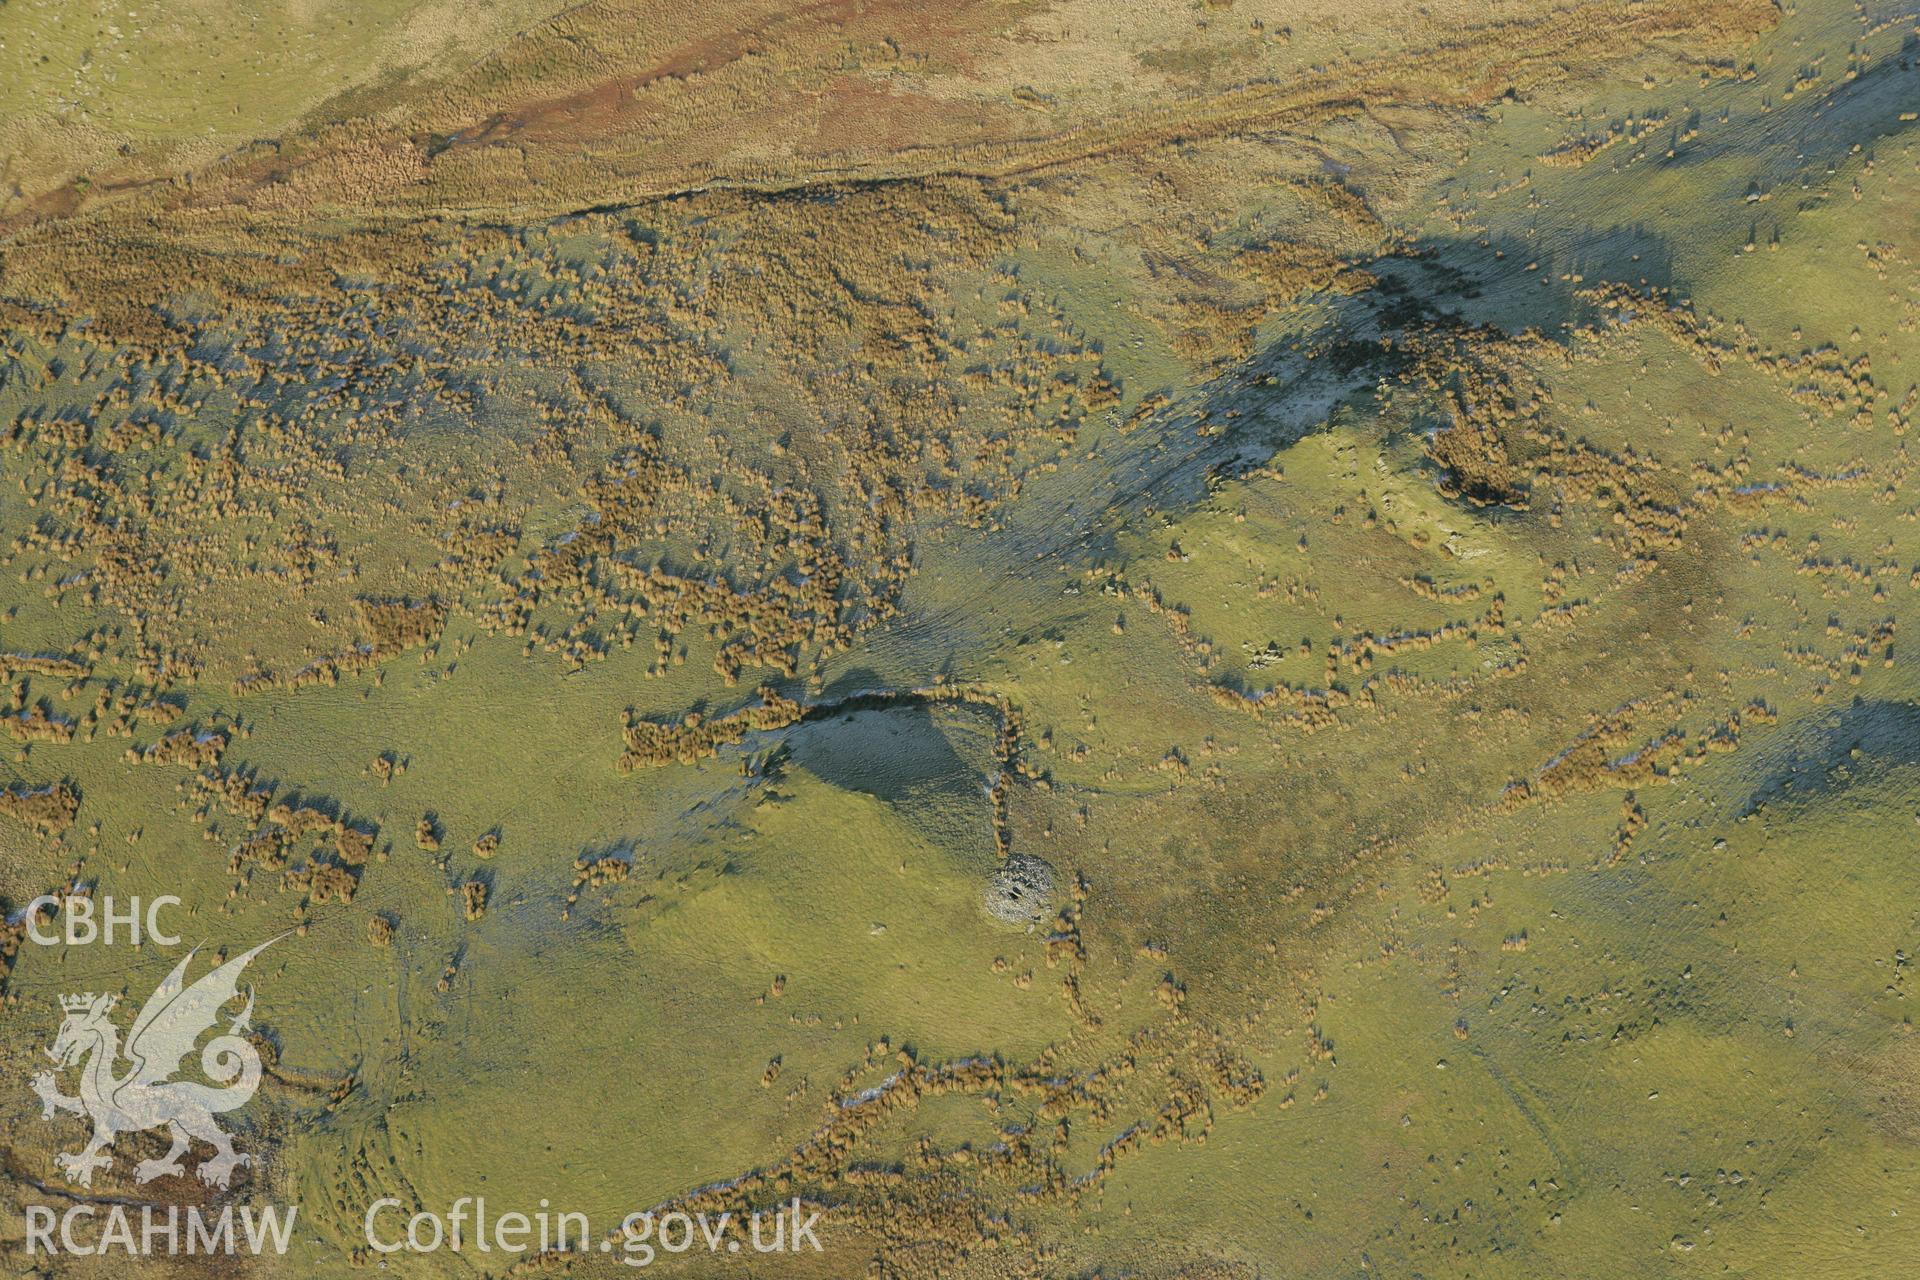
{"type": "Point", "coordinates": [74, 1004]}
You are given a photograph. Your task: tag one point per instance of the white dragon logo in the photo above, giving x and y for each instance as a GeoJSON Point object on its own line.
{"type": "Point", "coordinates": [144, 1097]}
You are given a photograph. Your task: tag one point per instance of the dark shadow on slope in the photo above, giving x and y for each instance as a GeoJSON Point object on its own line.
{"type": "Point", "coordinates": [887, 753]}
{"type": "Point", "coordinates": [1819, 760]}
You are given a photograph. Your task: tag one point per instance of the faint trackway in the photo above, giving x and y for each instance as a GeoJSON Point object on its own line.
{"type": "Point", "coordinates": [1489, 64]}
